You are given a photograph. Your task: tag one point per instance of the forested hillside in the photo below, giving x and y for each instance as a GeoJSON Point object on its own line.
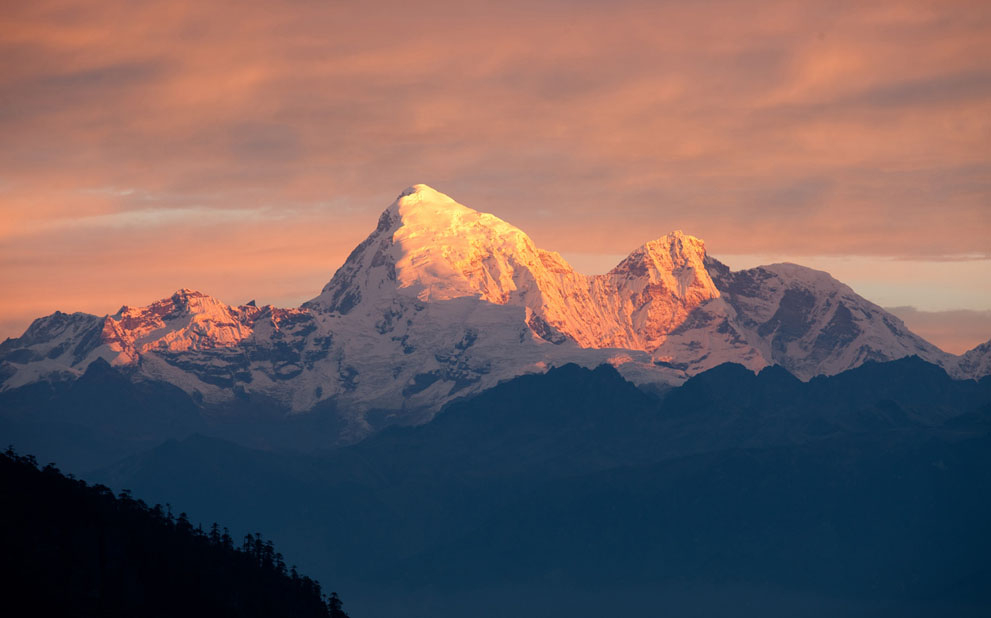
{"type": "Point", "coordinates": [71, 549]}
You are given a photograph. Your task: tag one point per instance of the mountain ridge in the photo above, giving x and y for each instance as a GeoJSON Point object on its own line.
{"type": "Point", "coordinates": [442, 301]}
{"type": "Point", "coordinates": [576, 476]}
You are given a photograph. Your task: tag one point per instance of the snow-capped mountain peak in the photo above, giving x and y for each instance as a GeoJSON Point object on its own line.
{"type": "Point", "coordinates": [442, 300]}
{"type": "Point", "coordinates": [430, 247]}
{"type": "Point", "coordinates": [444, 250]}
{"type": "Point", "coordinates": [187, 320]}
{"type": "Point", "coordinates": [658, 285]}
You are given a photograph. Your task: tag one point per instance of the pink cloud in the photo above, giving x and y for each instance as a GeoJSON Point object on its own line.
{"type": "Point", "coordinates": [246, 144]}
{"type": "Point", "coordinates": [955, 331]}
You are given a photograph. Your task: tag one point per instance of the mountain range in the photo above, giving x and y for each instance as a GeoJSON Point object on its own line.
{"type": "Point", "coordinates": [575, 493]}
{"type": "Point", "coordinates": [459, 423]}
{"type": "Point", "coordinates": [441, 302]}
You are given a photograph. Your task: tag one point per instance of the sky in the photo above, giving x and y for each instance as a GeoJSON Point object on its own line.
{"type": "Point", "coordinates": [244, 148]}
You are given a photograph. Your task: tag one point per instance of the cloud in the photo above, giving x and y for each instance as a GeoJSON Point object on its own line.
{"type": "Point", "coordinates": [932, 285]}
{"type": "Point", "coordinates": [814, 128]}
{"type": "Point", "coordinates": [954, 331]}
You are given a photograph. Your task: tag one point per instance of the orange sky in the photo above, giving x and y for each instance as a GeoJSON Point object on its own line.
{"type": "Point", "coordinates": [244, 148]}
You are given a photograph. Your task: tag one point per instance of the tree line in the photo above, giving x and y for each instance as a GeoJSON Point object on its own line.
{"type": "Point", "coordinates": [74, 549]}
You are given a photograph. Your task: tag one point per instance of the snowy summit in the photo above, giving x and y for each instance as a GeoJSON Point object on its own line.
{"type": "Point", "coordinates": [441, 301]}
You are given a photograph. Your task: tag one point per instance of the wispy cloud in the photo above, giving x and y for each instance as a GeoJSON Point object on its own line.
{"type": "Point", "coordinates": [798, 129]}
{"type": "Point", "coordinates": [956, 331]}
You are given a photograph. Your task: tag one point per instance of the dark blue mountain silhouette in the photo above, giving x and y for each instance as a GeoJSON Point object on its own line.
{"type": "Point", "coordinates": [575, 493]}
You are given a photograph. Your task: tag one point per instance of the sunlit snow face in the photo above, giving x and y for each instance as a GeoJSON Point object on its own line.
{"type": "Point", "coordinates": [446, 250]}
{"type": "Point", "coordinates": [428, 246]}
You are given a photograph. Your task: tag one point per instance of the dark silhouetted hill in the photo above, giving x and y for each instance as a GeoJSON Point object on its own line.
{"type": "Point", "coordinates": [70, 549]}
{"type": "Point", "coordinates": [574, 493]}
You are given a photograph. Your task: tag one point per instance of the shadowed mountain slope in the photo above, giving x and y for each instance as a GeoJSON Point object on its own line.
{"type": "Point", "coordinates": [858, 491]}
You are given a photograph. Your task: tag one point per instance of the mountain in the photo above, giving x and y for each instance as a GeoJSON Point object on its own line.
{"type": "Point", "coordinates": [97, 418]}
{"type": "Point", "coordinates": [975, 362]}
{"type": "Point", "coordinates": [441, 302]}
{"type": "Point", "coordinates": [429, 247]}
{"type": "Point", "coordinates": [808, 322]}
{"type": "Point", "coordinates": [749, 494]}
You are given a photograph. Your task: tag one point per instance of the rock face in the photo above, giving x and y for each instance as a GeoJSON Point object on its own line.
{"type": "Point", "coordinates": [442, 301]}
{"type": "Point", "coordinates": [803, 320]}
{"type": "Point", "coordinates": [186, 322]}
{"type": "Point", "coordinates": [973, 363]}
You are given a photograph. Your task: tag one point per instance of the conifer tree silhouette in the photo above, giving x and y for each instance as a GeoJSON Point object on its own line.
{"type": "Point", "coordinates": [79, 550]}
